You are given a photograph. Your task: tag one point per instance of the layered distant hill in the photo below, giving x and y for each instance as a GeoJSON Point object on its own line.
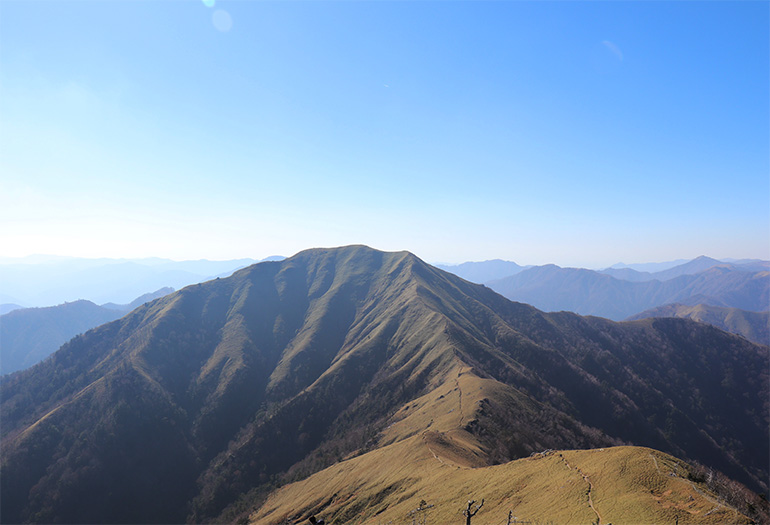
{"type": "Point", "coordinates": [40, 281]}
{"type": "Point", "coordinates": [697, 265]}
{"type": "Point", "coordinates": [482, 272]}
{"type": "Point", "coordinates": [8, 307]}
{"type": "Point", "coordinates": [195, 406]}
{"type": "Point", "coordinates": [754, 326]}
{"type": "Point", "coordinates": [588, 292]}
{"type": "Point", "coordinates": [29, 335]}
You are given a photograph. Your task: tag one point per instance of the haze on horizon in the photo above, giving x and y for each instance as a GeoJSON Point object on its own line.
{"type": "Point", "coordinates": [580, 133]}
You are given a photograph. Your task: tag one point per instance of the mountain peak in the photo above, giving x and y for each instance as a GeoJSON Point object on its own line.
{"type": "Point", "coordinates": [706, 258]}
{"type": "Point", "coordinates": [287, 367]}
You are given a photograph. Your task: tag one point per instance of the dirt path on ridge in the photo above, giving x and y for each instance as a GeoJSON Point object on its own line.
{"type": "Point", "coordinates": [590, 488]}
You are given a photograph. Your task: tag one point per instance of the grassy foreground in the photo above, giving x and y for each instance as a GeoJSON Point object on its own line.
{"type": "Point", "coordinates": [614, 485]}
{"type": "Point", "coordinates": [429, 457]}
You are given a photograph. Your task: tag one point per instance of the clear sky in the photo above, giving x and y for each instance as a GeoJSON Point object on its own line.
{"type": "Point", "coordinates": [578, 133]}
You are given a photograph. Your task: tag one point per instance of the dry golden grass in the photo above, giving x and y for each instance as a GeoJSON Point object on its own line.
{"type": "Point", "coordinates": [428, 456]}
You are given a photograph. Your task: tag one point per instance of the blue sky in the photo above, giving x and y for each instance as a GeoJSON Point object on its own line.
{"type": "Point", "coordinates": [579, 133]}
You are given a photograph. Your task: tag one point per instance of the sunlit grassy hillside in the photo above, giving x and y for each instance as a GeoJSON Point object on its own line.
{"type": "Point", "coordinates": [431, 458]}
{"type": "Point", "coordinates": [432, 463]}
{"type": "Point", "coordinates": [615, 485]}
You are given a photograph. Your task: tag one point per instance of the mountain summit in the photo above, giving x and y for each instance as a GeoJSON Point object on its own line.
{"type": "Point", "coordinates": [181, 408]}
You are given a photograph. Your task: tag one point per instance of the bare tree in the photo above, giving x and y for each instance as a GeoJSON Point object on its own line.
{"type": "Point", "coordinates": [468, 513]}
{"type": "Point", "coordinates": [418, 515]}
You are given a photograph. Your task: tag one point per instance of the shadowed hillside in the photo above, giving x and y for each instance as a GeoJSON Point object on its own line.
{"type": "Point", "coordinates": [754, 326]}
{"type": "Point", "coordinates": [226, 387]}
{"type": "Point", "coordinates": [29, 335]}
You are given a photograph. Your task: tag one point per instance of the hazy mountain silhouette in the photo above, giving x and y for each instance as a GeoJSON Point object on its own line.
{"type": "Point", "coordinates": [179, 409]}
{"type": "Point", "coordinates": [587, 292]}
{"type": "Point", "coordinates": [754, 326]}
{"type": "Point", "coordinates": [649, 267]}
{"type": "Point", "coordinates": [8, 307]}
{"type": "Point", "coordinates": [481, 272]}
{"type": "Point", "coordinates": [139, 301]}
{"type": "Point", "coordinates": [693, 267]}
{"type": "Point", "coordinates": [29, 335]}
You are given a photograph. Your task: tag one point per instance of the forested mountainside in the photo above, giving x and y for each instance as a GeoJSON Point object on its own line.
{"type": "Point", "coordinates": [754, 326]}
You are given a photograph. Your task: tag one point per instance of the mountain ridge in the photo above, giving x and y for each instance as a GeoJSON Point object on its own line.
{"type": "Point", "coordinates": [29, 335]}
{"type": "Point", "coordinates": [754, 326]}
{"type": "Point", "coordinates": [587, 292]}
{"type": "Point", "coordinates": [285, 368]}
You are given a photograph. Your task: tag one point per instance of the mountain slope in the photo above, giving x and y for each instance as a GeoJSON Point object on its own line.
{"type": "Point", "coordinates": [649, 267]}
{"type": "Point", "coordinates": [587, 292]}
{"type": "Point", "coordinates": [139, 301]}
{"type": "Point", "coordinates": [8, 307]}
{"type": "Point", "coordinates": [427, 454]}
{"type": "Point", "coordinates": [697, 265]}
{"type": "Point", "coordinates": [287, 367]}
{"type": "Point", "coordinates": [670, 270]}
{"type": "Point", "coordinates": [29, 335]}
{"type": "Point", "coordinates": [614, 485]}
{"type": "Point", "coordinates": [754, 326]}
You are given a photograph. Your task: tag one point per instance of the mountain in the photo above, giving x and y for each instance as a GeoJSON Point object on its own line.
{"type": "Point", "coordinates": [628, 274]}
{"type": "Point", "coordinates": [588, 292]}
{"type": "Point", "coordinates": [752, 265]}
{"type": "Point", "coordinates": [197, 405]}
{"type": "Point", "coordinates": [29, 335]}
{"type": "Point", "coordinates": [481, 272]}
{"type": "Point", "coordinates": [754, 326]}
{"type": "Point", "coordinates": [8, 300]}
{"type": "Point", "coordinates": [488, 271]}
{"type": "Point", "coordinates": [697, 265]}
{"type": "Point", "coordinates": [8, 307]}
{"type": "Point", "coordinates": [693, 267]}
{"type": "Point", "coordinates": [649, 267]}
{"type": "Point", "coordinates": [613, 485]}
{"type": "Point", "coordinates": [139, 301]}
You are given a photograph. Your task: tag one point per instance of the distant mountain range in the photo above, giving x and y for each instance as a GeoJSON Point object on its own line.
{"type": "Point", "coordinates": [196, 406]}
{"type": "Point", "coordinates": [754, 326]}
{"type": "Point", "coordinates": [650, 267]}
{"type": "Point", "coordinates": [693, 267]}
{"type": "Point", "coordinates": [45, 280]}
{"type": "Point", "coordinates": [627, 292]}
{"type": "Point", "coordinates": [482, 272]}
{"type": "Point", "coordinates": [29, 335]}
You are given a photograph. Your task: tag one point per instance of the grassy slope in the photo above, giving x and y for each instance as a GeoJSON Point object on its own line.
{"type": "Point", "coordinates": [754, 326]}
{"type": "Point", "coordinates": [429, 456]}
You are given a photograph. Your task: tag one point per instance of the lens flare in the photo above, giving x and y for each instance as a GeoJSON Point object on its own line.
{"type": "Point", "coordinates": [222, 20]}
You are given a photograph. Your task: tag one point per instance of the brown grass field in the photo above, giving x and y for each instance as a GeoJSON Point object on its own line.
{"type": "Point", "coordinates": [428, 456]}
